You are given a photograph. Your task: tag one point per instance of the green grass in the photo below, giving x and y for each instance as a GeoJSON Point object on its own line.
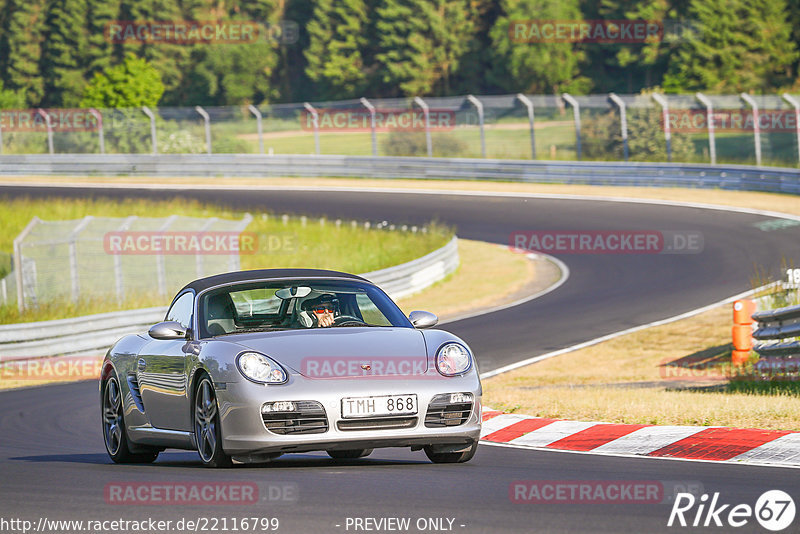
{"type": "Point", "coordinates": [290, 244]}
{"type": "Point", "coordinates": [503, 144]}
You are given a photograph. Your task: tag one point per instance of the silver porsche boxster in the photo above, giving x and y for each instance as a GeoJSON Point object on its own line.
{"type": "Point", "coordinates": [250, 365]}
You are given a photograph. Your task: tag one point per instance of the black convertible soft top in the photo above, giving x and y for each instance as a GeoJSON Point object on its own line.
{"type": "Point", "coordinates": [265, 274]}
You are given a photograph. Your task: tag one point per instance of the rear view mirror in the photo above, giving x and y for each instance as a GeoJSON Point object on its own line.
{"type": "Point", "coordinates": [290, 292]}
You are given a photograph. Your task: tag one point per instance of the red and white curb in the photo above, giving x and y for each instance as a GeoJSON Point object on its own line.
{"type": "Point", "coordinates": [733, 445]}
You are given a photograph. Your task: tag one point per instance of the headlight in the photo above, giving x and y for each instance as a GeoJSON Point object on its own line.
{"type": "Point", "coordinates": [260, 368]}
{"type": "Point", "coordinates": [453, 359]}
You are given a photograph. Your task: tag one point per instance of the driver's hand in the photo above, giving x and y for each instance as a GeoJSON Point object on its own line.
{"type": "Point", "coordinates": [325, 319]}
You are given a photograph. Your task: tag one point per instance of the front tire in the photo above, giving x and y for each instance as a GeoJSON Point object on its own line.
{"type": "Point", "coordinates": [450, 457]}
{"type": "Point", "coordinates": [114, 434]}
{"type": "Point", "coordinates": [349, 454]}
{"type": "Point", "coordinates": [207, 431]}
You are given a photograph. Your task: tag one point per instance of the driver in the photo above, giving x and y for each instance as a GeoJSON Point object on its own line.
{"type": "Point", "coordinates": [320, 311]}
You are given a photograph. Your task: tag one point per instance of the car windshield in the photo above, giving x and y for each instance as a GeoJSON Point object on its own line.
{"type": "Point", "coordinates": [295, 304]}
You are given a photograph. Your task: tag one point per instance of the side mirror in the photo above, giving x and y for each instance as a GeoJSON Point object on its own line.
{"type": "Point", "coordinates": [167, 330]}
{"type": "Point", "coordinates": [422, 319]}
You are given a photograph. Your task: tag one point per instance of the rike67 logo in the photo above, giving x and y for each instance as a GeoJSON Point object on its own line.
{"type": "Point", "coordinates": [774, 510]}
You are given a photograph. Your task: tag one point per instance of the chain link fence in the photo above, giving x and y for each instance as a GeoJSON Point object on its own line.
{"type": "Point", "coordinates": [739, 129]}
{"type": "Point", "coordinates": [102, 257]}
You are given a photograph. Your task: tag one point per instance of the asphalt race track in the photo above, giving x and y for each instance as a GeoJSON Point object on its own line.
{"type": "Point", "coordinates": [53, 463]}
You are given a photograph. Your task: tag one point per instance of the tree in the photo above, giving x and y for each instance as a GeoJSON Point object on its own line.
{"type": "Point", "coordinates": [602, 138]}
{"type": "Point", "coordinates": [540, 67]}
{"type": "Point", "coordinates": [133, 84]}
{"type": "Point", "coordinates": [169, 59]}
{"type": "Point", "coordinates": [477, 60]}
{"type": "Point", "coordinates": [421, 43]}
{"type": "Point", "coordinates": [629, 67]}
{"type": "Point", "coordinates": [290, 78]}
{"type": "Point", "coordinates": [225, 73]}
{"type": "Point", "coordinates": [741, 45]}
{"type": "Point", "coordinates": [99, 53]}
{"type": "Point", "coordinates": [11, 99]}
{"type": "Point", "coordinates": [64, 52]}
{"type": "Point", "coordinates": [334, 54]}
{"type": "Point", "coordinates": [21, 47]}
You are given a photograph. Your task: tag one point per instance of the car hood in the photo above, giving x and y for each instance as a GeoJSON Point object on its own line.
{"type": "Point", "coordinates": [343, 352]}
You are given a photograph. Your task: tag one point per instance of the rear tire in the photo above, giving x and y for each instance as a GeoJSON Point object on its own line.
{"type": "Point", "coordinates": [207, 431]}
{"type": "Point", "coordinates": [450, 457]}
{"type": "Point", "coordinates": [349, 454]}
{"type": "Point", "coordinates": [118, 445]}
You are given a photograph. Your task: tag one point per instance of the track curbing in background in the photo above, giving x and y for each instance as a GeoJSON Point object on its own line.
{"type": "Point", "coordinates": [715, 444]}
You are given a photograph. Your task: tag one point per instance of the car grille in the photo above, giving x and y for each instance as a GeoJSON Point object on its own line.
{"type": "Point", "coordinates": [308, 418]}
{"type": "Point", "coordinates": [441, 412]}
{"type": "Point", "coordinates": [377, 423]}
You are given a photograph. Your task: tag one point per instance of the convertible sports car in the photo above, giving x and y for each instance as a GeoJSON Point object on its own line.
{"type": "Point", "coordinates": [250, 365]}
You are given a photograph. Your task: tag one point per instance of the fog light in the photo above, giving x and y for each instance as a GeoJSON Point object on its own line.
{"type": "Point", "coordinates": [458, 398]}
{"type": "Point", "coordinates": [280, 406]}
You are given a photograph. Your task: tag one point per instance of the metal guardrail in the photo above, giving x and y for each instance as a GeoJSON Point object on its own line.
{"type": "Point", "coordinates": [98, 332]}
{"type": "Point", "coordinates": [411, 277]}
{"type": "Point", "coordinates": [736, 177]}
{"type": "Point", "coordinates": [778, 326]}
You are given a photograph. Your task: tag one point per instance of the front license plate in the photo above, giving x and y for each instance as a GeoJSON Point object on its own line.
{"type": "Point", "coordinates": [376, 406]}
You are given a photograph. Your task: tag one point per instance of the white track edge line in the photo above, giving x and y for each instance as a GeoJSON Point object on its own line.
{"type": "Point", "coordinates": [562, 267]}
{"type": "Point", "coordinates": [422, 191]}
{"type": "Point", "coordinates": [614, 335]}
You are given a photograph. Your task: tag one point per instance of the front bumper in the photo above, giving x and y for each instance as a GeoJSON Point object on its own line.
{"type": "Point", "coordinates": [244, 432]}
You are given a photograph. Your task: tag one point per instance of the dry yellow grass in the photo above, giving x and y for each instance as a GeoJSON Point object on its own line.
{"type": "Point", "coordinates": [624, 380]}
{"type": "Point", "coordinates": [655, 406]}
{"type": "Point", "coordinates": [483, 268]}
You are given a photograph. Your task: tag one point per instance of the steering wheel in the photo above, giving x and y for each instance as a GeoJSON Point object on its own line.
{"type": "Point", "coordinates": [348, 320]}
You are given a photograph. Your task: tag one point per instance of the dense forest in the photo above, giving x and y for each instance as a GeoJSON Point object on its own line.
{"type": "Point", "coordinates": [65, 53]}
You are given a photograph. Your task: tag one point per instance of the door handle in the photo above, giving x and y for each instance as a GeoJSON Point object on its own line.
{"type": "Point", "coordinates": [142, 364]}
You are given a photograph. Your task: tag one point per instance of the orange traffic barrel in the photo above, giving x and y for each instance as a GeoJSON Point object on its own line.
{"type": "Point", "coordinates": [742, 311]}
{"type": "Point", "coordinates": [742, 337]}
{"type": "Point", "coordinates": [740, 357]}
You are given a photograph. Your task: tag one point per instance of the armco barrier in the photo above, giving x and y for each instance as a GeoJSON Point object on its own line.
{"type": "Point", "coordinates": [98, 332]}
{"type": "Point", "coordinates": [736, 177]}
{"type": "Point", "coordinates": [780, 328]}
